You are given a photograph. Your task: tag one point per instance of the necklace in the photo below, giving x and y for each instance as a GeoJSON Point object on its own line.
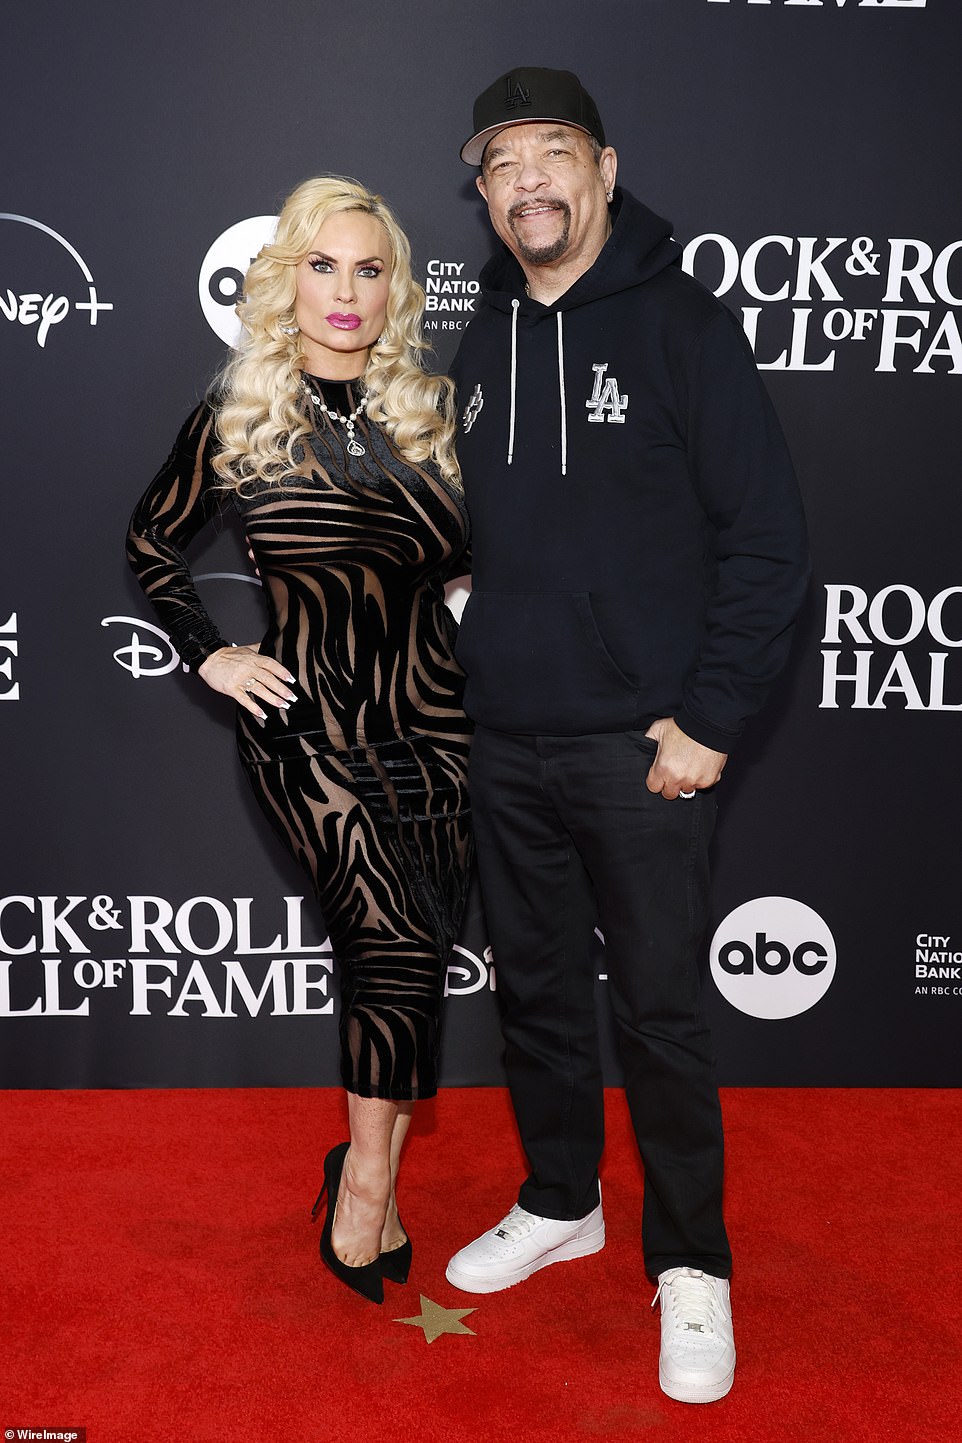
{"type": "Point", "coordinates": [354, 446]}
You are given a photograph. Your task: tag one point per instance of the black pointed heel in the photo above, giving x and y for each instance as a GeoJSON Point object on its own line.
{"type": "Point", "coordinates": [366, 1279]}
{"type": "Point", "coordinates": [396, 1264]}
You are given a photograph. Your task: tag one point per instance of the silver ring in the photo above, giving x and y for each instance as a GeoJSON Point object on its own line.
{"type": "Point", "coordinates": [249, 684]}
{"type": "Point", "coordinates": [687, 795]}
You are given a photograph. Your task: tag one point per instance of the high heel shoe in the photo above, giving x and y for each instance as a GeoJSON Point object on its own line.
{"type": "Point", "coordinates": [366, 1279]}
{"type": "Point", "coordinates": [396, 1264]}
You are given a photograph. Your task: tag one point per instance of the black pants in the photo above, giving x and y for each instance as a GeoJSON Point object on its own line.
{"type": "Point", "coordinates": [565, 828]}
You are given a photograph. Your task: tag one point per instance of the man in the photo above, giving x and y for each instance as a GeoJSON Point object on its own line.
{"type": "Point", "coordinates": [639, 557]}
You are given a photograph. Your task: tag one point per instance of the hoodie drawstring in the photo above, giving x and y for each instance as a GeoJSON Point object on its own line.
{"type": "Point", "coordinates": [514, 374]}
{"type": "Point", "coordinates": [561, 386]}
{"type": "Point", "coordinates": [561, 397]}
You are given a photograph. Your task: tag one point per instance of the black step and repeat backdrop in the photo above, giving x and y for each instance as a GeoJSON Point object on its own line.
{"type": "Point", "coordinates": [151, 933]}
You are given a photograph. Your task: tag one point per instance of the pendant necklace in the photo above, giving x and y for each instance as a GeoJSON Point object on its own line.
{"type": "Point", "coordinates": [354, 446]}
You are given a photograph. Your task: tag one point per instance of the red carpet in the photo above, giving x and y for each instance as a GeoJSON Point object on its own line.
{"type": "Point", "coordinates": [161, 1279]}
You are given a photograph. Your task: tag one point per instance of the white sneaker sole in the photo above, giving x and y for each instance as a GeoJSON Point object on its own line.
{"type": "Point", "coordinates": [581, 1247]}
{"type": "Point", "coordinates": [685, 1392]}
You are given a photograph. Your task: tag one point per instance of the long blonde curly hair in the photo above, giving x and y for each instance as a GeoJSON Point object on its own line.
{"type": "Point", "coordinates": [261, 417]}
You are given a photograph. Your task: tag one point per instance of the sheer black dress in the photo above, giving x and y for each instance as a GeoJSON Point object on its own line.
{"type": "Point", "coordinates": [364, 777]}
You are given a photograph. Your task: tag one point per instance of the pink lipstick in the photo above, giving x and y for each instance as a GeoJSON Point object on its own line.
{"type": "Point", "coordinates": [344, 322]}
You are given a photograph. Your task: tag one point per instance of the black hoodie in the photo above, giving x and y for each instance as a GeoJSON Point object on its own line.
{"type": "Point", "coordinates": [638, 538]}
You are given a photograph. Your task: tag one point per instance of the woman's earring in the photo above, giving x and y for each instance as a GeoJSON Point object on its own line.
{"type": "Point", "coordinates": [290, 330]}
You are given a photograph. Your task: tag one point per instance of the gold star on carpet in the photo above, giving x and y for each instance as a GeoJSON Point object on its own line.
{"type": "Point", "coordinates": [436, 1320]}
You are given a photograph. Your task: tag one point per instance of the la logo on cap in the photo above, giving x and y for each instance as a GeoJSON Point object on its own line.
{"type": "Point", "coordinates": [516, 94]}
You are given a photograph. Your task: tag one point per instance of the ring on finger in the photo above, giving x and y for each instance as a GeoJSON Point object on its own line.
{"type": "Point", "coordinates": [249, 684]}
{"type": "Point", "coordinates": [687, 795]}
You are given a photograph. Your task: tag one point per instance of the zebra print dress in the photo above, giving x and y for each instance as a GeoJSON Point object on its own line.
{"type": "Point", "coordinates": [364, 777]}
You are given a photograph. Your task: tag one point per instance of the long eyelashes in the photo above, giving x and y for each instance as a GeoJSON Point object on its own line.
{"type": "Point", "coordinates": [324, 268]}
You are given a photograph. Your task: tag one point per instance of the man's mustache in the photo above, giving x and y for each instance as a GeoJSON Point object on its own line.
{"type": "Point", "coordinates": [522, 205]}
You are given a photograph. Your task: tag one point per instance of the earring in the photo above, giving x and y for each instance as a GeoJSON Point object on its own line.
{"type": "Point", "coordinates": [611, 195]}
{"type": "Point", "coordinates": [290, 330]}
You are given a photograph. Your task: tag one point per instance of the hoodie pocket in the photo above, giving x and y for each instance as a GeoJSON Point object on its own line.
{"type": "Point", "coordinates": [537, 662]}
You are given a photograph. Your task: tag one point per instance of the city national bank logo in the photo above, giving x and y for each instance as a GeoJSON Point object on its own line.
{"type": "Point", "coordinates": [447, 290]}
{"type": "Point", "coordinates": [893, 300]}
{"type": "Point", "coordinates": [39, 285]}
{"type": "Point", "coordinates": [221, 282]}
{"type": "Point", "coordinates": [773, 957]}
{"type": "Point", "coordinates": [938, 970]}
{"type": "Point", "coordinates": [878, 651]}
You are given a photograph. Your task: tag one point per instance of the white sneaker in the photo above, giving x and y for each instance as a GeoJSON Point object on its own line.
{"type": "Point", "coordinates": [697, 1361]}
{"type": "Point", "coordinates": [520, 1245]}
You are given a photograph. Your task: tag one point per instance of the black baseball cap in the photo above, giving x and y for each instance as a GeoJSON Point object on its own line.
{"type": "Point", "coordinates": [529, 93]}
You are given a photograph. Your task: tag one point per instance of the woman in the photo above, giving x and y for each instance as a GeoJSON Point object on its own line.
{"type": "Point", "coordinates": [336, 449]}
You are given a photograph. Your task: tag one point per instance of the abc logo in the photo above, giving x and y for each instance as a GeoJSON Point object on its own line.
{"type": "Point", "coordinates": [221, 281]}
{"type": "Point", "coordinates": [773, 957]}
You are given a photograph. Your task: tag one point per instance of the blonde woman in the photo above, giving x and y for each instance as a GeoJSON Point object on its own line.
{"type": "Point", "coordinates": [336, 450]}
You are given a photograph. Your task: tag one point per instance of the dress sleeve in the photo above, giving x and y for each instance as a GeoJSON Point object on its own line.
{"type": "Point", "coordinates": [181, 498]}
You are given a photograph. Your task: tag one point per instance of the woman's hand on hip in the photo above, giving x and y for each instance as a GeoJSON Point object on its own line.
{"type": "Point", "coordinates": [242, 673]}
